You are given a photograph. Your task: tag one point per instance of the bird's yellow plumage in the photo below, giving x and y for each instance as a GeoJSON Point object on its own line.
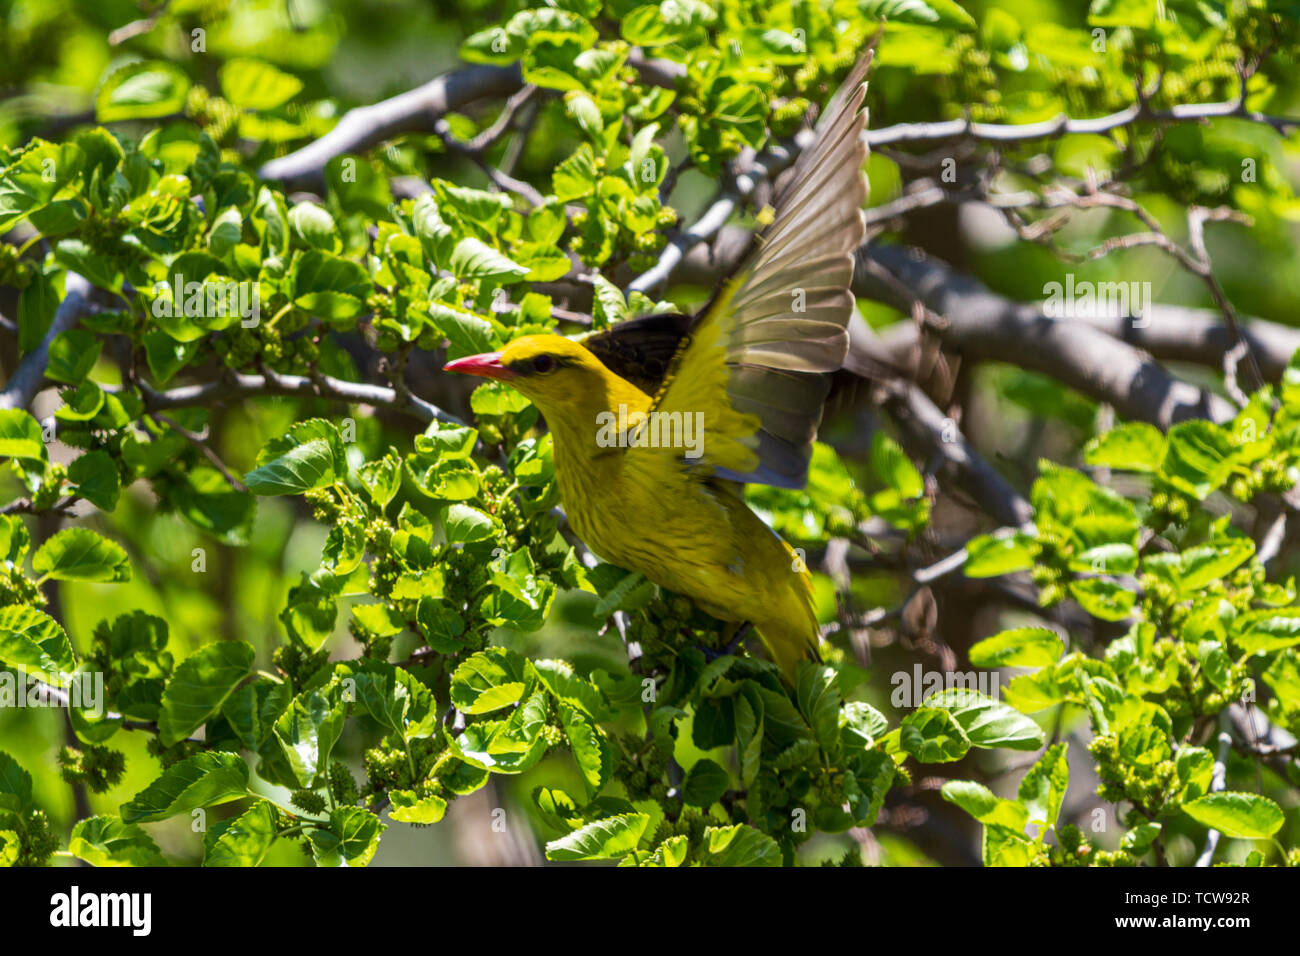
{"type": "Point", "coordinates": [739, 391]}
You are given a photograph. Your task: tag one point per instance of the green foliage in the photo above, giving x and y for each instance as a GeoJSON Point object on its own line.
{"type": "Point", "coordinates": [415, 645]}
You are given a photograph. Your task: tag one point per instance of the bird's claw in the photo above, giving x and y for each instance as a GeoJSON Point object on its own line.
{"type": "Point", "coordinates": [712, 654]}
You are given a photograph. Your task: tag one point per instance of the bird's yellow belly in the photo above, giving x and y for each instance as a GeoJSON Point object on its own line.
{"type": "Point", "coordinates": [690, 539]}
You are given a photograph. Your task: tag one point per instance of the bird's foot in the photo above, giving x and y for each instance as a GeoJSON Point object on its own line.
{"type": "Point", "coordinates": [712, 654]}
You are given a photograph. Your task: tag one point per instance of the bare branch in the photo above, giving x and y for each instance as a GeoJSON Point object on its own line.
{"type": "Point", "coordinates": [983, 325]}
{"type": "Point", "coordinates": [749, 170]}
{"type": "Point", "coordinates": [30, 373]}
{"type": "Point", "coordinates": [416, 110]}
{"type": "Point", "coordinates": [938, 435]}
{"type": "Point", "coordinates": [1174, 333]}
{"type": "Point", "coordinates": [273, 383]}
{"type": "Point", "coordinates": [1061, 125]}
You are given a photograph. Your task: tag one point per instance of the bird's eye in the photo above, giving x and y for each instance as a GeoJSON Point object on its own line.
{"type": "Point", "coordinates": [543, 364]}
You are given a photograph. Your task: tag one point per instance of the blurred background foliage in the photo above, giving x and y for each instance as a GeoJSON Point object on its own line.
{"type": "Point", "coordinates": [1001, 61]}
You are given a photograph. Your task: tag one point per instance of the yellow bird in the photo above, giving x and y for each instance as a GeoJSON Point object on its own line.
{"type": "Point", "coordinates": [658, 421]}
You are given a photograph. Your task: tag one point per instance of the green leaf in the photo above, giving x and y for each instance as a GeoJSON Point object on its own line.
{"type": "Point", "coordinates": [307, 733]}
{"type": "Point", "coordinates": [441, 624]}
{"type": "Point", "coordinates": [549, 62]}
{"type": "Point", "coordinates": [610, 307]}
{"type": "Point", "coordinates": [1246, 816]}
{"type": "Point", "coordinates": [1201, 565]}
{"type": "Point", "coordinates": [988, 556]}
{"type": "Point", "coordinates": [345, 547]}
{"type": "Point", "coordinates": [473, 260]}
{"type": "Point", "coordinates": [861, 724]}
{"type": "Point", "coordinates": [943, 13]}
{"type": "Point", "coordinates": [588, 746]}
{"type": "Point", "coordinates": [15, 784]}
{"type": "Point", "coordinates": [397, 700]}
{"type": "Point", "coordinates": [932, 735]}
{"type": "Point", "coordinates": [1215, 663]}
{"type": "Point", "coordinates": [200, 685]}
{"type": "Point", "coordinates": [657, 24]}
{"type": "Point", "coordinates": [620, 590]}
{"type": "Point", "coordinates": [206, 500]}
{"type": "Point", "coordinates": [467, 333]}
{"type": "Point", "coordinates": [79, 554]}
{"type": "Point", "coordinates": [328, 285]}
{"type": "Point", "coordinates": [20, 435]}
{"type": "Point", "coordinates": [740, 845]}
{"type": "Point", "coordinates": [893, 468]}
{"type": "Point", "coordinates": [310, 456]}
{"type": "Point", "coordinates": [1103, 599]}
{"type": "Point", "coordinates": [1020, 647]}
{"type": "Point", "coordinates": [819, 702]}
{"type": "Point", "coordinates": [142, 90]}
{"type": "Point", "coordinates": [252, 710]}
{"type": "Point", "coordinates": [409, 807]}
{"type": "Point", "coordinates": [489, 680]}
{"type": "Point", "coordinates": [1138, 840]}
{"type": "Point", "coordinates": [749, 736]}
{"type": "Point", "coordinates": [380, 480]}
{"type": "Point", "coordinates": [575, 177]}
{"type": "Point", "coordinates": [37, 305]}
{"type": "Point", "coordinates": [94, 476]}
{"type": "Point", "coordinates": [606, 839]}
{"type": "Point", "coordinates": [1195, 769]}
{"type": "Point", "coordinates": [988, 722]}
{"type": "Point", "coordinates": [358, 186]}
{"type": "Point", "coordinates": [1134, 446]}
{"type": "Point", "coordinates": [14, 540]}
{"type": "Point", "coordinates": [243, 841]}
{"type": "Point", "coordinates": [984, 805]}
{"type": "Point", "coordinates": [254, 85]}
{"type": "Point", "coordinates": [351, 840]}
{"type": "Point", "coordinates": [671, 852]}
{"type": "Point", "coordinates": [204, 780]}
{"type": "Point", "coordinates": [72, 355]}
{"type": "Point", "coordinates": [1043, 787]}
{"type": "Point", "coordinates": [1198, 457]}
{"type": "Point", "coordinates": [705, 783]}
{"type": "Point", "coordinates": [568, 688]}
{"type": "Point", "coordinates": [1283, 676]}
{"type": "Point", "coordinates": [1263, 631]}
{"type": "Point", "coordinates": [465, 524]}
{"type": "Point", "coordinates": [34, 642]}
{"type": "Point", "coordinates": [313, 226]}
{"type": "Point", "coordinates": [107, 841]}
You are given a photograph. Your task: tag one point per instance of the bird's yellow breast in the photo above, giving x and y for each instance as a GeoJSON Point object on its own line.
{"type": "Point", "coordinates": [686, 534]}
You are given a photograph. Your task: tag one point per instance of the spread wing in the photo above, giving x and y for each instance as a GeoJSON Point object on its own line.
{"type": "Point", "coordinates": [757, 363]}
{"type": "Point", "coordinates": [639, 350]}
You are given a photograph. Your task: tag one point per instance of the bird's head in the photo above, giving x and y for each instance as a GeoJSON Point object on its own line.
{"type": "Point", "coordinates": [561, 377]}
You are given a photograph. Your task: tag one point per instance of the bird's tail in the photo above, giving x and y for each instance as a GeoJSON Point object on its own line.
{"type": "Point", "coordinates": [790, 633]}
{"type": "Point", "coordinates": [788, 646]}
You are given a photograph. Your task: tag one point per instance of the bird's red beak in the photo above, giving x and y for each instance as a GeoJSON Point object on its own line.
{"type": "Point", "coordinates": [486, 365]}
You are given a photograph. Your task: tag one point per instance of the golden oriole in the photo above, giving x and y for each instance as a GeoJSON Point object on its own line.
{"type": "Point", "coordinates": [658, 421]}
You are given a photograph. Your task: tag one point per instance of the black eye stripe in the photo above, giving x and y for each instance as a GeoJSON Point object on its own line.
{"type": "Point", "coordinates": [539, 364]}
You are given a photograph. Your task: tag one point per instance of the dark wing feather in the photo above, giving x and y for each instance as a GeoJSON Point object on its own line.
{"type": "Point", "coordinates": [639, 350]}
{"type": "Point", "coordinates": [759, 357]}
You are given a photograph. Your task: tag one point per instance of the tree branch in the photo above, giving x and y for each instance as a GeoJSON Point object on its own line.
{"type": "Point", "coordinates": [419, 109]}
{"type": "Point", "coordinates": [30, 373]}
{"type": "Point", "coordinates": [983, 325]}
{"type": "Point", "coordinates": [273, 383]}
{"type": "Point", "coordinates": [1173, 333]}
{"type": "Point", "coordinates": [1061, 125]}
{"type": "Point", "coordinates": [934, 432]}
{"type": "Point", "coordinates": [416, 110]}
